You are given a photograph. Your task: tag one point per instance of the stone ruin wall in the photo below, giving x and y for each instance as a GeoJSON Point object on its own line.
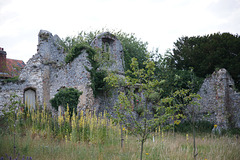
{"type": "Point", "coordinates": [105, 40]}
{"type": "Point", "coordinates": [46, 72]}
{"type": "Point", "coordinates": [6, 90]}
{"type": "Point", "coordinates": [220, 99]}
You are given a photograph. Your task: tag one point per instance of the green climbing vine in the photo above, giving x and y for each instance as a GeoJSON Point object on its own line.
{"type": "Point", "coordinates": [77, 50]}
{"type": "Point", "coordinates": [97, 75]}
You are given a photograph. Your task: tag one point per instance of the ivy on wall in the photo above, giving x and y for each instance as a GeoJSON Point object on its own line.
{"type": "Point", "coordinates": [97, 75]}
{"type": "Point", "coordinates": [77, 50]}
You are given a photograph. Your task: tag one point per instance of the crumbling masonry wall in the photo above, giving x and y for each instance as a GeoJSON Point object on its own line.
{"type": "Point", "coordinates": [46, 72]}
{"type": "Point", "coordinates": [220, 99]}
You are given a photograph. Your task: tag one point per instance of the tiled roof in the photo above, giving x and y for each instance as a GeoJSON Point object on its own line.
{"type": "Point", "coordinates": [13, 68]}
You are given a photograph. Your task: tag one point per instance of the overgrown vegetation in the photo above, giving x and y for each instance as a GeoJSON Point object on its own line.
{"type": "Point", "coordinates": [96, 74]}
{"type": "Point", "coordinates": [76, 50]}
{"type": "Point", "coordinates": [167, 83]}
{"type": "Point", "coordinates": [141, 84]}
{"type": "Point", "coordinates": [208, 53]}
{"type": "Point", "coordinates": [175, 79]}
{"type": "Point", "coordinates": [66, 97]}
{"type": "Point", "coordinates": [12, 79]}
{"type": "Point", "coordinates": [201, 127]}
{"type": "Point", "coordinates": [132, 46]}
{"type": "Point", "coordinates": [165, 146]}
{"type": "Point", "coordinates": [41, 136]}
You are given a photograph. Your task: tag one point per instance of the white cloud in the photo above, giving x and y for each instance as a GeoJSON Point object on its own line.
{"type": "Point", "coordinates": [160, 22]}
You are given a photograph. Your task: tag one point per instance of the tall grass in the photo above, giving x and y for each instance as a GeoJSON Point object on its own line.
{"type": "Point", "coordinates": [87, 136]}
{"type": "Point", "coordinates": [84, 127]}
{"type": "Point", "coordinates": [164, 148]}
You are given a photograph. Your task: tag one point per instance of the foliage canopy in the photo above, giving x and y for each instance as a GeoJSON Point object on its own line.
{"type": "Point", "coordinates": [208, 53]}
{"type": "Point", "coordinates": [132, 46]}
{"type": "Point", "coordinates": [140, 86]}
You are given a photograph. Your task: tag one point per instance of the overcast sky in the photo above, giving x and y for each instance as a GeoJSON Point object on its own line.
{"type": "Point", "coordinates": [159, 22]}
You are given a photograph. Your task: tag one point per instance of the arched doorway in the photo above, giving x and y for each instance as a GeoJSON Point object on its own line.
{"type": "Point", "coordinates": [30, 97]}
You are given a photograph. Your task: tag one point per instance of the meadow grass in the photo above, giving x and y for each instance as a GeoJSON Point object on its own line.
{"type": "Point", "coordinates": [167, 147]}
{"type": "Point", "coordinates": [89, 137]}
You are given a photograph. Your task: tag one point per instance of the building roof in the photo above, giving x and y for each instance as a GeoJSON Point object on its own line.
{"type": "Point", "coordinates": [13, 68]}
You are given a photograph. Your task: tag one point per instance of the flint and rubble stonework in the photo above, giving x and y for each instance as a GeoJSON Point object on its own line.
{"type": "Point", "coordinates": [220, 99]}
{"type": "Point", "coordinates": [46, 72]}
{"type": "Point", "coordinates": [115, 48]}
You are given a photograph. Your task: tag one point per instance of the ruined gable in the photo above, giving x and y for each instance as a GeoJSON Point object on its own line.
{"type": "Point", "coordinates": [46, 72]}
{"type": "Point", "coordinates": [107, 42]}
{"type": "Point", "coordinates": [220, 100]}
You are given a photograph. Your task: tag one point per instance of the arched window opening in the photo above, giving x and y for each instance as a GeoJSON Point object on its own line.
{"type": "Point", "coordinates": [107, 44]}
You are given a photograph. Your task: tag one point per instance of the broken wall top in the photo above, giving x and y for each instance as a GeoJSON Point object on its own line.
{"type": "Point", "coordinates": [109, 43]}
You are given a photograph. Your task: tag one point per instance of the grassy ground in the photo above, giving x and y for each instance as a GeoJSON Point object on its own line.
{"type": "Point", "coordinates": [166, 147]}
{"type": "Point", "coordinates": [43, 137]}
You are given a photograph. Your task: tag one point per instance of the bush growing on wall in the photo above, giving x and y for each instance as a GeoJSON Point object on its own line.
{"type": "Point", "coordinates": [132, 46]}
{"type": "Point", "coordinates": [97, 74]}
{"type": "Point", "coordinates": [66, 96]}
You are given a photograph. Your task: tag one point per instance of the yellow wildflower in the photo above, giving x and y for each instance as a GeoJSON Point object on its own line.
{"type": "Point", "coordinates": [70, 136]}
{"type": "Point", "coordinates": [60, 118]}
{"type": "Point", "coordinates": [215, 126]}
{"type": "Point", "coordinates": [81, 120]}
{"type": "Point", "coordinates": [67, 117]}
{"type": "Point", "coordinates": [147, 153]}
{"type": "Point", "coordinates": [66, 138]}
{"type": "Point", "coordinates": [74, 121]}
{"type": "Point", "coordinates": [123, 129]}
{"type": "Point", "coordinates": [177, 122]}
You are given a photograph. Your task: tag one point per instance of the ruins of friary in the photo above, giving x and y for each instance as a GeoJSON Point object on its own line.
{"type": "Point", "coordinates": [46, 73]}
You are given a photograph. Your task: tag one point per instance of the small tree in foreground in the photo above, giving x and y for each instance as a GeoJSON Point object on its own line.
{"type": "Point", "coordinates": [139, 87]}
{"type": "Point", "coordinates": [10, 114]}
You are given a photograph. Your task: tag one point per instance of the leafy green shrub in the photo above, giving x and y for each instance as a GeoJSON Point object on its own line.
{"type": "Point", "coordinates": [76, 51]}
{"type": "Point", "coordinates": [66, 96]}
{"type": "Point", "coordinates": [235, 131]}
{"type": "Point", "coordinates": [231, 131]}
{"type": "Point", "coordinates": [97, 75]}
{"type": "Point", "coordinates": [139, 110]}
{"type": "Point", "coordinates": [98, 84]}
{"type": "Point", "coordinates": [132, 46]}
{"type": "Point", "coordinates": [201, 127]}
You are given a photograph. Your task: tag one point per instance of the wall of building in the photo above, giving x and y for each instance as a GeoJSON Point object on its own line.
{"type": "Point", "coordinates": [220, 99]}
{"type": "Point", "coordinates": [3, 66]}
{"type": "Point", "coordinates": [46, 72]}
{"type": "Point", "coordinates": [109, 43]}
